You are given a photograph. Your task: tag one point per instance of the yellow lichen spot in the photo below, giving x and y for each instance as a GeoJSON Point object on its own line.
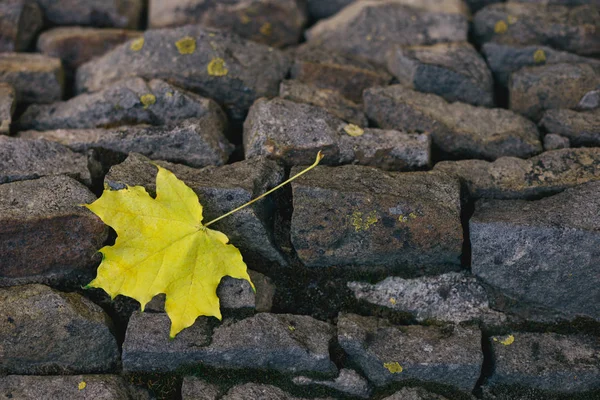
{"type": "Point", "coordinates": [244, 19]}
{"type": "Point", "coordinates": [186, 45]}
{"type": "Point", "coordinates": [137, 44]}
{"type": "Point", "coordinates": [506, 341]}
{"type": "Point", "coordinates": [353, 130]}
{"type": "Point", "coordinates": [81, 385]}
{"type": "Point", "coordinates": [500, 27]}
{"type": "Point", "coordinates": [393, 300]}
{"type": "Point", "coordinates": [511, 19]}
{"type": "Point", "coordinates": [412, 216]}
{"type": "Point", "coordinates": [369, 38]}
{"type": "Point", "coordinates": [291, 328]}
{"type": "Point", "coordinates": [169, 94]}
{"type": "Point", "coordinates": [539, 56]}
{"type": "Point", "coordinates": [148, 100]}
{"type": "Point", "coordinates": [371, 220]}
{"type": "Point", "coordinates": [393, 367]}
{"type": "Point", "coordinates": [266, 29]}
{"type": "Point", "coordinates": [216, 67]}
{"type": "Point", "coordinates": [357, 220]}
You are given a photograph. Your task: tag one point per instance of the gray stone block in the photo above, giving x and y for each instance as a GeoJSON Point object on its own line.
{"type": "Point", "coordinates": [20, 22]}
{"type": "Point", "coordinates": [7, 107]}
{"type": "Point", "coordinates": [36, 78]}
{"type": "Point", "coordinates": [580, 128]}
{"type": "Point", "coordinates": [118, 13]}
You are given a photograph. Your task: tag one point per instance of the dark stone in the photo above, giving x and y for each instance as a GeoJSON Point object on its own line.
{"type": "Point", "coordinates": [581, 128]}
{"type": "Point", "coordinates": [116, 13]}
{"type": "Point", "coordinates": [214, 64]}
{"type": "Point", "coordinates": [36, 78]}
{"type": "Point", "coordinates": [7, 107]}
{"type": "Point", "coordinates": [253, 391]}
{"type": "Point", "coordinates": [553, 141]}
{"type": "Point", "coordinates": [416, 393]}
{"type": "Point", "coordinates": [459, 130]}
{"type": "Point", "coordinates": [319, 9]}
{"type": "Point", "coordinates": [476, 5]}
{"type": "Point", "coordinates": [265, 291]}
{"type": "Point", "coordinates": [454, 71]}
{"type": "Point", "coordinates": [45, 332]}
{"type": "Point", "coordinates": [348, 382]}
{"type": "Point", "coordinates": [363, 217]}
{"type": "Point", "coordinates": [541, 254]}
{"type": "Point", "coordinates": [20, 21]}
{"type": "Point", "coordinates": [386, 353]}
{"type": "Point", "coordinates": [194, 388]}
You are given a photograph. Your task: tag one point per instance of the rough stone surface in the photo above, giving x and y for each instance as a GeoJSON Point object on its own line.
{"type": "Point", "coordinates": [7, 107]}
{"type": "Point", "coordinates": [22, 159]}
{"type": "Point", "coordinates": [454, 71]}
{"type": "Point", "coordinates": [319, 9]}
{"type": "Point", "coordinates": [361, 216]}
{"type": "Point", "coordinates": [116, 13]}
{"type": "Point", "coordinates": [589, 101]}
{"type": "Point", "coordinates": [265, 291]}
{"type": "Point", "coordinates": [276, 23]}
{"type": "Point", "coordinates": [415, 393]}
{"type": "Point", "coordinates": [328, 99]}
{"type": "Point", "coordinates": [20, 21]}
{"type": "Point", "coordinates": [514, 178]}
{"type": "Point", "coordinates": [573, 29]}
{"type": "Point", "coordinates": [547, 361]}
{"type": "Point", "coordinates": [46, 332]}
{"type": "Point", "coordinates": [291, 344]}
{"type": "Point", "coordinates": [553, 141]}
{"type": "Point", "coordinates": [476, 5]}
{"type": "Point", "coordinates": [446, 355]}
{"type": "Point", "coordinates": [45, 236]}
{"type": "Point", "coordinates": [194, 388]}
{"type": "Point", "coordinates": [581, 128]}
{"type": "Point", "coordinates": [36, 78]}
{"type": "Point", "coordinates": [221, 190]}
{"type": "Point", "coordinates": [328, 69]}
{"type": "Point", "coordinates": [541, 255]}
{"type": "Point", "coordinates": [421, 23]}
{"type": "Point", "coordinates": [128, 102]}
{"type": "Point", "coordinates": [453, 297]}
{"type": "Point", "coordinates": [77, 45]}
{"type": "Point", "coordinates": [252, 391]}
{"type": "Point", "coordinates": [348, 382]}
{"type": "Point", "coordinates": [459, 130]}
{"type": "Point", "coordinates": [218, 65]}
{"type": "Point", "coordinates": [535, 89]}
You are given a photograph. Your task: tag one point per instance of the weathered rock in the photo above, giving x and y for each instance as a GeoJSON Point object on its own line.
{"type": "Point", "coordinates": [514, 178]}
{"type": "Point", "coordinates": [117, 13]}
{"type": "Point", "coordinates": [505, 59]}
{"type": "Point", "coordinates": [45, 236]}
{"type": "Point", "coordinates": [453, 297]}
{"type": "Point", "coordinates": [195, 142]}
{"type": "Point", "coordinates": [547, 361]}
{"type": "Point", "coordinates": [414, 393]}
{"type": "Point", "coordinates": [532, 90]}
{"type": "Point", "coordinates": [348, 382]}
{"type": "Point", "coordinates": [7, 107]}
{"type": "Point", "coordinates": [361, 216]}
{"type": "Point", "coordinates": [22, 159]}
{"type": "Point", "coordinates": [553, 141]}
{"type": "Point", "coordinates": [386, 353]}
{"type": "Point", "coordinates": [476, 5]}
{"type": "Point", "coordinates": [330, 100]}
{"type": "Point", "coordinates": [76, 45]}
{"type": "Point", "coordinates": [36, 78]}
{"type": "Point", "coordinates": [20, 21]}
{"type": "Point", "coordinates": [194, 388]}
{"type": "Point", "coordinates": [572, 29]}
{"type": "Point", "coordinates": [252, 391]}
{"type": "Point", "coordinates": [319, 9]}
{"type": "Point", "coordinates": [562, 2]}
{"type": "Point", "coordinates": [589, 101]}
{"type": "Point", "coordinates": [46, 332]}
{"type": "Point", "coordinates": [265, 291]}
{"type": "Point", "coordinates": [542, 254]}
{"type": "Point", "coordinates": [510, 392]}
{"type": "Point", "coordinates": [459, 130]}
{"type": "Point", "coordinates": [581, 128]}
{"type": "Point", "coordinates": [128, 102]}
{"type": "Point", "coordinates": [276, 23]}
{"type": "Point", "coordinates": [328, 69]}
{"type": "Point", "coordinates": [291, 344]}
{"type": "Point", "coordinates": [454, 71]}
{"type": "Point", "coordinates": [222, 66]}
{"type": "Point", "coordinates": [422, 23]}
{"type": "Point", "coordinates": [221, 190]}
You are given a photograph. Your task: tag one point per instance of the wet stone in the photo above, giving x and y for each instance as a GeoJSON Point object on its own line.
{"type": "Point", "coordinates": [513, 178]}
{"type": "Point", "coordinates": [386, 353]}
{"type": "Point", "coordinates": [553, 141]}
{"type": "Point", "coordinates": [454, 71]}
{"type": "Point", "coordinates": [362, 217]}
{"type": "Point", "coordinates": [581, 128]}
{"type": "Point", "coordinates": [343, 73]}
{"type": "Point", "coordinates": [45, 332]}
{"type": "Point", "coordinates": [116, 13]}
{"type": "Point", "coordinates": [36, 78]}
{"type": "Point", "coordinates": [128, 102]}
{"type": "Point", "coordinates": [7, 107]}
{"type": "Point", "coordinates": [572, 29]}
{"type": "Point", "coordinates": [541, 256]}
{"type": "Point", "coordinates": [20, 21]}
{"type": "Point", "coordinates": [459, 130]}
{"type": "Point", "coordinates": [285, 343]}
{"type": "Point", "coordinates": [532, 90]}
{"type": "Point", "coordinates": [45, 236]}
{"type": "Point", "coordinates": [218, 65]}
{"type": "Point", "coordinates": [422, 23]}
{"type": "Point", "coordinates": [348, 382]}
{"type": "Point", "coordinates": [194, 388]}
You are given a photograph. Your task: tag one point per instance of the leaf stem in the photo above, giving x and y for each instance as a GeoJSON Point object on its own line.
{"type": "Point", "coordinates": [317, 160]}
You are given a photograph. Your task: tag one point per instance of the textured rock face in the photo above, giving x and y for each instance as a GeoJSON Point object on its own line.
{"type": "Point", "coordinates": [553, 141]}
{"type": "Point", "coordinates": [21, 21]}
{"type": "Point", "coordinates": [416, 393]}
{"type": "Point", "coordinates": [319, 9]}
{"type": "Point", "coordinates": [454, 71]}
{"type": "Point", "coordinates": [36, 78]}
{"type": "Point", "coordinates": [118, 13]}
{"type": "Point", "coordinates": [542, 253]}
{"type": "Point", "coordinates": [581, 128]}
{"type": "Point", "coordinates": [7, 107]}
{"type": "Point", "coordinates": [572, 29]}
{"type": "Point", "coordinates": [46, 332]}
{"type": "Point", "coordinates": [459, 130]}
{"type": "Point", "coordinates": [359, 216]}
{"type": "Point", "coordinates": [348, 382]}
{"type": "Point", "coordinates": [388, 353]}
{"type": "Point", "coordinates": [251, 391]}
{"type": "Point", "coordinates": [196, 59]}
{"type": "Point", "coordinates": [195, 388]}
{"type": "Point", "coordinates": [45, 236]}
